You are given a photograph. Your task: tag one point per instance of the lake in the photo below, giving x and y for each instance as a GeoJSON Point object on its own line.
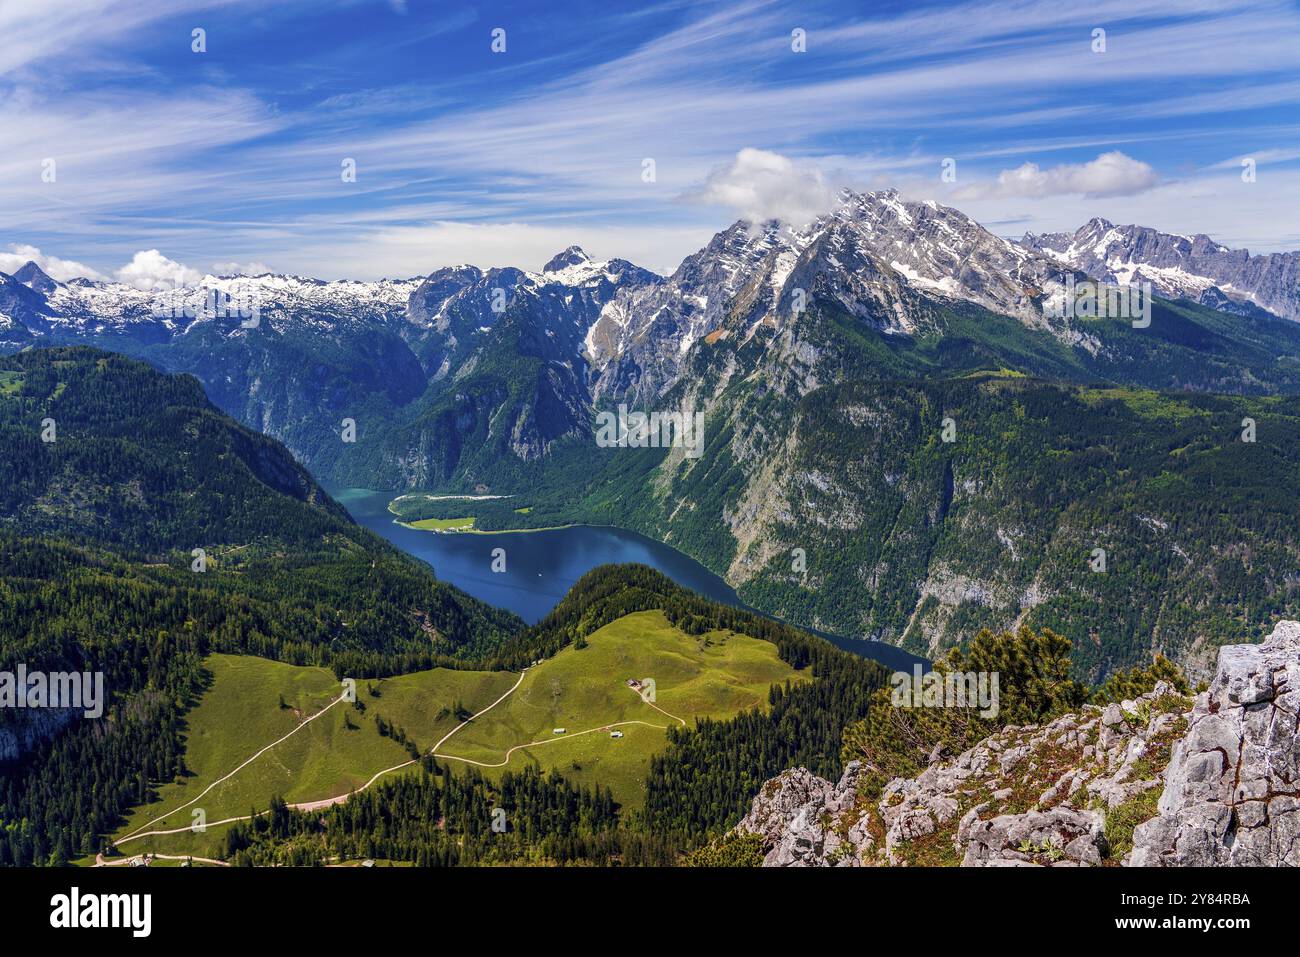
{"type": "Point", "coordinates": [542, 566]}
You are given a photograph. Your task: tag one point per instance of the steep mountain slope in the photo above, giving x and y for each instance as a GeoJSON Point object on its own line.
{"type": "Point", "coordinates": [462, 304]}
{"type": "Point", "coordinates": [114, 476]}
{"type": "Point", "coordinates": [98, 447]}
{"type": "Point", "coordinates": [846, 510]}
{"type": "Point", "coordinates": [19, 308]}
{"type": "Point", "coordinates": [106, 452]}
{"type": "Point", "coordinates": [903, 279]}
{"type": "Point", "coordinates": [919, 541]}
{"type": "Point", "coordinates": [1179, 267]}
{"type": "Point", "coordinates": [506, 378]}
{"type": "Point", "coordinates": [877, 258]}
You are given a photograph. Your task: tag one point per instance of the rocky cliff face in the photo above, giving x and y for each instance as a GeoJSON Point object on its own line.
{"type": "Point", "coordinates": [1232, 789]}
{"type": "Point", "coordinates": [875, 256]}
{"type": "Point", "coordinates": [1156, 781]}
{"type": "Point", "coordinates": [21, 731]}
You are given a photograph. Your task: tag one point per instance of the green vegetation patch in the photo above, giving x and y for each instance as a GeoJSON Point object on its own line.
{"type": "Point", "coordinates": [443, 524]}
{"type": "Point", "coordinates": [1123, 821]}
{"type": "Point", "coordinates": [253, 702]}
{"type": "Point", "coordinates": [584, 688]}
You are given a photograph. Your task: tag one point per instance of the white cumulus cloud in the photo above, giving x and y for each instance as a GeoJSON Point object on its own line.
{"type": "Point", "coordinates": [150, 269]}
{"type": "Point", "coordinates": [61, 269]}
{"type": "Point", "coordinates": [1110, 174]}
{"type": "Point", "coordinates": [762, 185]}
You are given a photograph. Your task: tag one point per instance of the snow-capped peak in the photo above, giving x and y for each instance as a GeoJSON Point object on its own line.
{"type": "Point", "coordinates": [1177, 266]}
{"type": "Point", "coordinates": [573, 256]}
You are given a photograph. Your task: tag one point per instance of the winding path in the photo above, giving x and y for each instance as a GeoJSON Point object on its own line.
{"type": "Point", "coordinates": [305, 805]}
{"type": "Point", "coordinates": [554, 740]}
{"type": "Point", "coordinates": [299, 727]}
{"type": "Point", "coordinates": [644, 699]}
{"type": "Point", "coordinates": [101, 862]}
{"type": "Point", "coordinates": [340, 798]}
{"type": "Point", "coordinates": [564, 737]}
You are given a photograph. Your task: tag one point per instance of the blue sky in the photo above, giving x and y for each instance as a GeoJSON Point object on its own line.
{"type": "Point", "coordinates": [233, 156]}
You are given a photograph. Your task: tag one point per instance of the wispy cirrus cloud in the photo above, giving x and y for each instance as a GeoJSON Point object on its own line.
{"type": "Point", "coordinates": [238, 152]}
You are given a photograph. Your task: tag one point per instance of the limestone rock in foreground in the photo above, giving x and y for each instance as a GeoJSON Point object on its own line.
{"type": "Point", "coordinates": [1036, 795]}
{"type": "Point", "coordinates": [799, 816]}
{"type": "Point", "coordinates": [1232, 789]}
{"type": "Point", "coordinates": [1039, 795]}
{"type": "Point", "coordinates": [1080, 790]}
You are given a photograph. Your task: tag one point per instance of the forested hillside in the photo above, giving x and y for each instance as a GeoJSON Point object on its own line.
{"type": "Point", "coordinates": [442, 814]}
{"type": "Point", "coordinates": [140, 472]}
{"type": "Point", "coordinates": [928, 509]}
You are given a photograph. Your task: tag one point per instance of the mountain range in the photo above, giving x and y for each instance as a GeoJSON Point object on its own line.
{"type": "Point", "coordinates": [612, 331]}
{"type": "Point", "coordinates": [829, 360]}
{"type": "Point", "coordinates": [1179, 267]}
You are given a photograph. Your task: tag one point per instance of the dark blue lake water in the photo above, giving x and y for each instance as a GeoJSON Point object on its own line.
{"type": "Point", "coordinates": [542, 566]}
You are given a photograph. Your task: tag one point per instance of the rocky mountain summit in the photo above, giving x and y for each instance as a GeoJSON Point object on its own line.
{"type": "Point", "coordinates": [1159, 780]}
{"type": "Point", "coordinates": [1178, 267]}
{"type": "Point", "coordinates": [878, 257]}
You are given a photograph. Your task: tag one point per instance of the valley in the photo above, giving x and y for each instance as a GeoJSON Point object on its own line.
{"type": "Point", "coordinates": [904, 462]}
{"type": "Point", "coordinates": [462, 454]}
{"type": "Point", "coordinates": [824, 361]}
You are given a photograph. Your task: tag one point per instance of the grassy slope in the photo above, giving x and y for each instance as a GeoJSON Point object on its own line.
{"type": "Point", "coordinates": [716, 675]}
{"type": "Point", "coordinates": [240, 714]}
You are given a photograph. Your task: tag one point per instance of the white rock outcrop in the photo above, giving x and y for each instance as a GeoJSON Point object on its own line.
{"type": "Point", "coordinates": [1226, 766]}
{"type": "Point", "coordinates": [1232, 789]}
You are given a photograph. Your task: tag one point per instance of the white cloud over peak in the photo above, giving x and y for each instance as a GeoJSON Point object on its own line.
{"type": "Point", "coordinates": [762, 185]}
{"type": "Point", "coordinates": [61, 269]}
{"type": "Point", "coordinates": [150, 269]}
{"type": "Point", "coordinates": [1110, 174]}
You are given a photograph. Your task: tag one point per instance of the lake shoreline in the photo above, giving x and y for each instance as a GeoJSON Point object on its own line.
{"type": "Point", "coordinates": [471, 530]}
{"type": "Point", "coordinates": [545, 562]}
